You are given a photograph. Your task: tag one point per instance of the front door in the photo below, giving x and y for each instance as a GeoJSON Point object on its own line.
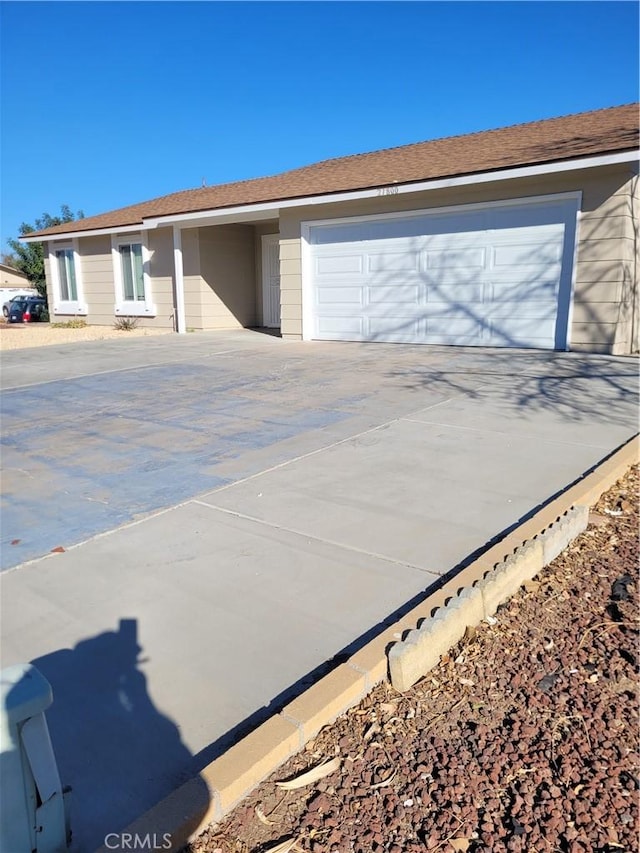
{"type": "Point", "coordinates": [271, 280]}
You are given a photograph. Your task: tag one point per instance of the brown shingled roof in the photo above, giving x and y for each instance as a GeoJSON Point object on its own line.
{"type": "Point", "coordinates": [598, 132]}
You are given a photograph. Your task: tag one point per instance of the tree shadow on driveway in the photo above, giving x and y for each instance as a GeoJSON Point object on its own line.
{"type": "Point", "coordinates": [576, 387]}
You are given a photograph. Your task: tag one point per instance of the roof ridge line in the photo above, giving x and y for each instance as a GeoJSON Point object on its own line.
{"type": "Point", "coordinates": [459, 136]}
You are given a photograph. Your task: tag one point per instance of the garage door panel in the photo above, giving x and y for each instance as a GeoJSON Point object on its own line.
{"type": "Point", "coordinates": [394, 294]}
{"type": "Point", "coordinates": [462, 240]}
{"type": "Point", "coordinates": [526, 272]}
{"type": "Point", "coordinates": [453, 327]}
{"type": "Point", "coordinates": [446, 311]}
{"type": "Point", "coordinates": [518, 331]}
{"type": "Point", "coordinates": [339, 264]}
{"type": "Point", "coordinates": [455, 292]}
{"type": "Point", "coordinates": [466, 278]}
{"type": "Point", "coordinates": [399, 325]}
{"type": "Point", "coordinates": [529, 310]}
{"type": "Point", "coordinates": [453, 259]}
{"type": "Point", "coordinates": [489, 276]}
{"type": "Point", "coordinates": [536, 254]}
{"type": "Point", "coordinates": [521, 292]}
{"type": "Point", "coordinates": [455, 223]}
{"type": "Point", "coordinates": [418, 226]}
{"type": "Point", "coordinates": [340, 325]}
{"type": "Point", "coordinates": [458, 340]}
{"type": "Point", "coordinates": [339, 295]}
{"type": "Point", "coordinates": [389, 284]}
{"type": "Point", "coordinates": [393, 262]}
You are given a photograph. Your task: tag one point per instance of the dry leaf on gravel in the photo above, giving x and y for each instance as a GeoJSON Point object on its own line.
{"type": "Point", "coordinates": [311, 776]}
{"type": "Point", "coordinates": [469, 633]}
{"type": "Point", "coordinates": [461, 844]}
{"type": "Point", "coordinates": [262, 817]}
{"type": "Point", "coordinates": [384, 782]}
{"type": "Point", "coordinates": [373, 729]}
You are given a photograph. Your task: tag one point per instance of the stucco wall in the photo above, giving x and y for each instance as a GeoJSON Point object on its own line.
{"type": "Point", "coordinates": [227, 267]}
{"type": "Point", "coordinates": [606, 278]}
{"type": "Point", "coordinates": [290, 278]}
{"type": "Point", "coordinates": [97, 279]}
{"type": "Point", "coordinates": [193, 283]}
{"type": "Point", "coordinates": [98, 282]}
{"type": "Point", "coordinates": [605, 275]}
{"type": "Point", "coordinates": [220, 284]}
{"type": "Point", "coordinates": [160, 244]}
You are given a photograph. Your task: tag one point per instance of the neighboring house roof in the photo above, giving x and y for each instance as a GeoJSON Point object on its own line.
{"type": "Point", "coordinates": [6, 268]}
{"type": "Point", "coordinates": [592, 133]}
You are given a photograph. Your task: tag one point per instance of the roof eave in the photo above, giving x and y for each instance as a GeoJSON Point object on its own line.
{"type": "Point", "coordinates": [267, 209]}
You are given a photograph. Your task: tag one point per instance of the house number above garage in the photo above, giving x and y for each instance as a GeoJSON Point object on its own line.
{"type": "Point", "coordinates": [388, 191]}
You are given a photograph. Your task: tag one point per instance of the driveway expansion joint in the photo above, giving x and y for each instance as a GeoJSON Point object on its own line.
{"type": "Point", "coordinates": [312, 538]}
{"type": "Point", "coordinates": [414, 420]}
{"type": "Point", "coordinates": [353, 437]}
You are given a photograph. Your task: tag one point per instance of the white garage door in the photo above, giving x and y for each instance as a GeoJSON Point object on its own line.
{"type": "Point", "coordinates": [491, 276]}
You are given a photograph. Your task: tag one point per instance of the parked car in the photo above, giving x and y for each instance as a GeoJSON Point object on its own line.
{"type": "Point", "coordinates": [20, 294]}
{"type": "Point", "coordinates": [29, 310]}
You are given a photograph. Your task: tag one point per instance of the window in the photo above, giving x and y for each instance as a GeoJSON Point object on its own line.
{"type": "Point", "coordinates": [131, 276]}
{"type": "Point", "coordinates": [65, 277]}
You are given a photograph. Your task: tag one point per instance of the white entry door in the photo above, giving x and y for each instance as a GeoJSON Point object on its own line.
{"type": "Point", "coordinates": [494, 275]}
{"type": "Point", "coordinates": [271, 281]}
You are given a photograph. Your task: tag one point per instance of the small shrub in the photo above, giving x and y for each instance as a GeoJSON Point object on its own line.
{"type": "Point", "coordinates": [44, 316]}
{"type": "Point", "coordinates": [76, 323]}
{"type": "Point", "coordinates": [126, 324]}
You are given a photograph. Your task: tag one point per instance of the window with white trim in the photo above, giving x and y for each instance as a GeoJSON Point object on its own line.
{"type": "Point", "coordinates": [132, 272]}
{"type": "Point", "coordinates": [67, 275]}
{"type": "Point", "coordinates": [131, 276]}
{"type": "Point", "coordinates": [66, 279]}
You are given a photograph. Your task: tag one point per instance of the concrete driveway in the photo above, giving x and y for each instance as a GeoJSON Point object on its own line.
{"type": "Point", "coordinates": [250, 509]}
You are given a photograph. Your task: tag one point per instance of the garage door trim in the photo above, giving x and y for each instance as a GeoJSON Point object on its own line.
{"type": "Point", "coordinates": [569, 255]}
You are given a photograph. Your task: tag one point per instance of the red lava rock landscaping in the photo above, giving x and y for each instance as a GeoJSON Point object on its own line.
{"type": "Point", "coordinates": [524, 738]}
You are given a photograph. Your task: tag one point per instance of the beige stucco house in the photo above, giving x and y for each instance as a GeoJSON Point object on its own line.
{"type": "Point", "coordinates": [521, 236]}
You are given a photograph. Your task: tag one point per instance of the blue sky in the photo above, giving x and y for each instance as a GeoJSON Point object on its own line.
{"type": "Point", "coordinates": [108, 104]}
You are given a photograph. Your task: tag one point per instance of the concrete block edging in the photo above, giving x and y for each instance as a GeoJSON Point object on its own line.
{"type": "Point", "coordinates": [403, 653]}
{"type": "Point", "coordinates": [422, 649]}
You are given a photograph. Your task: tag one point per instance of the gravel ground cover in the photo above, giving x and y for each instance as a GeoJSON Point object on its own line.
{"type": "Point", "coordinates": [22, 335]}
{"type": "Point", "coordinates": [524, 738]}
